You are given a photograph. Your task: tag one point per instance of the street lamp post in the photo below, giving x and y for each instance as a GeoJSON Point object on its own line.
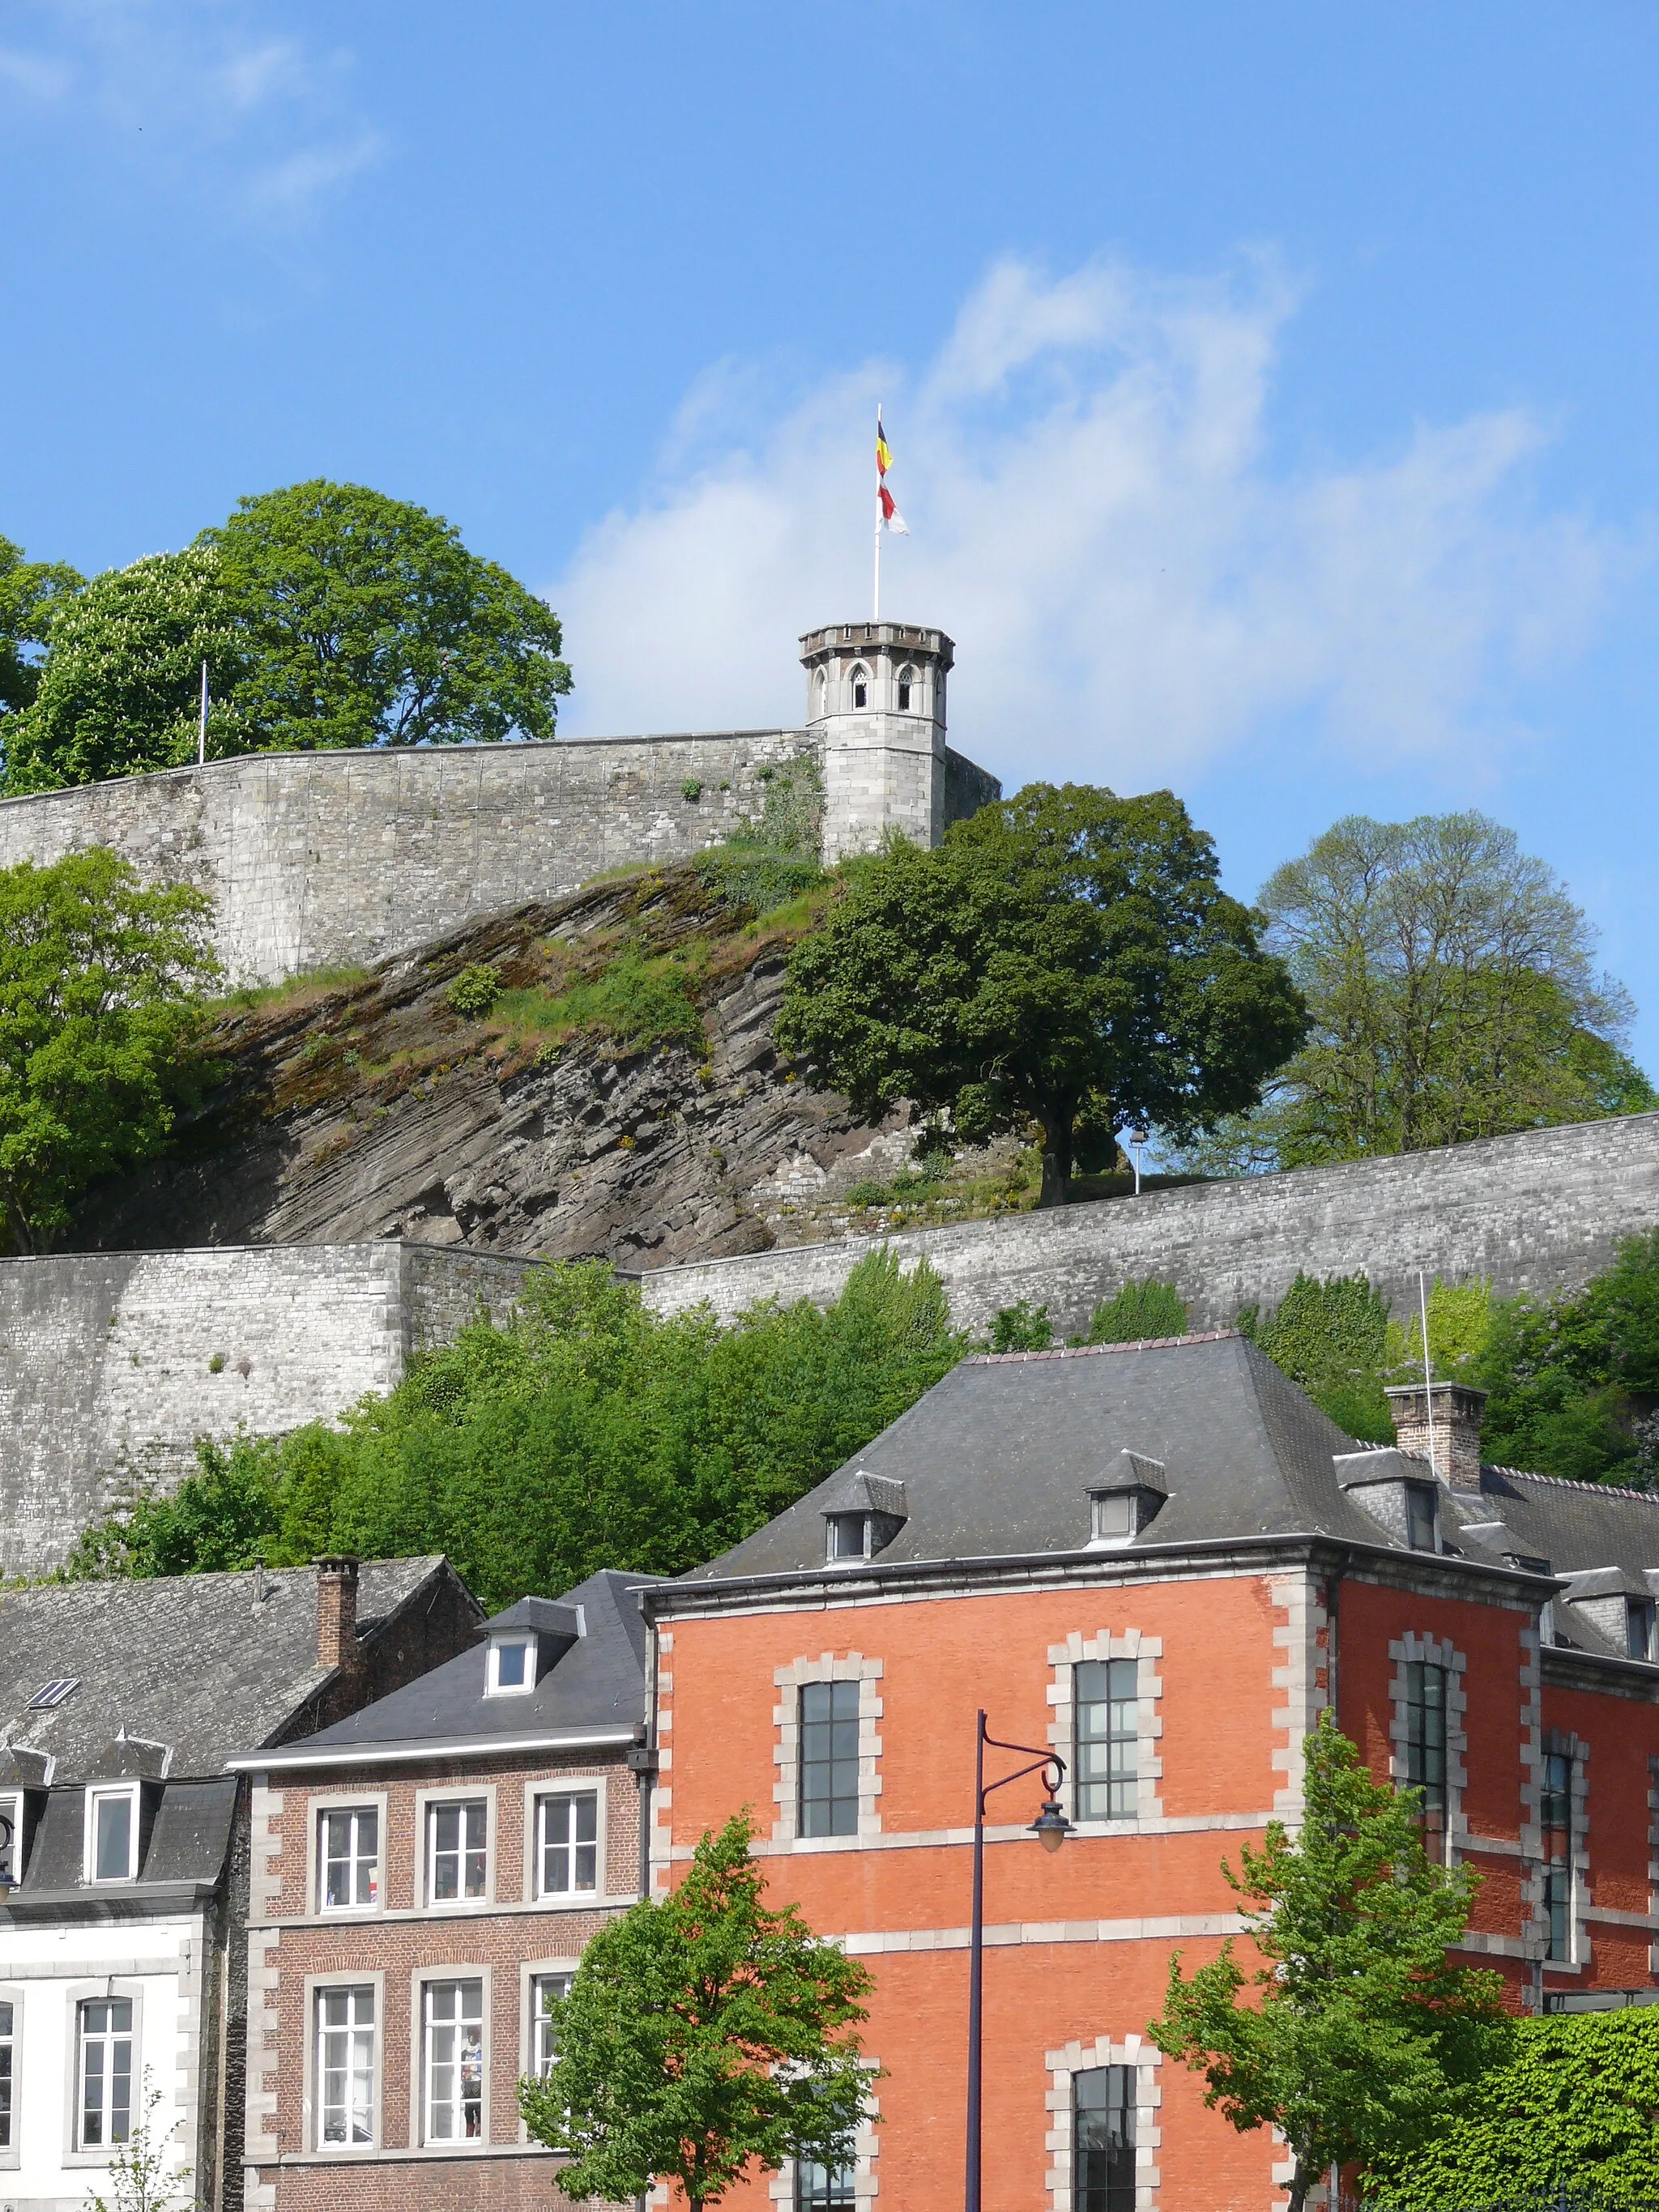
{"type": "Point", "coordinates": [1050, 1828]}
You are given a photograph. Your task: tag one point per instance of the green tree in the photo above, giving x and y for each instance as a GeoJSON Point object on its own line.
{"type": "Point", "coordinates": [1066, 958]}
{"type": "Point", "coordinates": [1332, 1337]}
{"type": "Point", "coordinates": [99, 1017]}
{"type": "Point", "coordinates": [703, 2036]}
{"type": "Point", "coordinates": [31, 594]}
{"type": "Point", "coordinates": [1453, 994]}
{"type": "Point", "coordinates": [119, 690]}
{"type": "Point", "coordinates": [1356, 2035]}
{"type": "Point", "coordinates": [366, 621]}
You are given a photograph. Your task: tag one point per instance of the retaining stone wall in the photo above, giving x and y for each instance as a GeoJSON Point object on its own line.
{"type": "Point", "coordinates": [1533, 1212]}
{"type": "Point", "coordinates": [106, 1359]}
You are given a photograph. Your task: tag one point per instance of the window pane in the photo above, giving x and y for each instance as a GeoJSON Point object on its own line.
{"type": "Point", "coordinates": [113, 1848]}
{"type": "Point", "coordinates": [105, 2027]}
{"type": "Point", "coordinates": [6, 2047]}
{"type": "Point", "coordinates": [1103, 2139]}
{"type": "Point", "coordinates": [1106, 1749]}
{"type": "Point", "coordinates": [510, 1660]}
{"type": "Point", "coordinates": [1425, 1733]}
{"type": "Point", "coordinates": [345, 2066]}
{"type": "Point", "coordinates": [351, 1857]}
{"type": "Point", "coordinates": [570, 1857]}
{"type": "Point", "coordinates": [454, 2062]}
{"type": "Point", "coordinates": [828, 1758]}
{"type": "Point", "coordinates": [544, 2044]}
{"type": "Point", "coordinates": [824, 2188]}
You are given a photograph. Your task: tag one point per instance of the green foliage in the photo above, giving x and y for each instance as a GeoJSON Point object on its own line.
{"type": "Point", "coordinates": [1138, 1311]}
{"type": "Point", "coordinates": [1356, 2036]}
{"type": "Point", "coordinates": [771, 860]}
{"type": "Point", "coordinates": [1332, 1337]}
{"type": "Point", "coordinates": [692, 791]}
{"type": "Point", "coordinates": [1577, 2102]}
{"type": "Point", "coordinates": [1453, 994]}
{"type": "Point", "coordinates": [704, 2036]}
{"type": "Point", "coordinates": [635, 1001]}
{"type": "Point", "coordinates": [32, 593]}
{"type": "Point", "coordinates": [589, 1432]}
{"type": "Point", "coordinates": [1066, 958]}
{"type": "Point", "coordinates": [1022, 1328]}
{"type": "Point", "coordinates": [120, 691]}
{"type": "Point", "coordinates": [475, 990]}
{"type": "Point", "coordinates": [99, 1020]}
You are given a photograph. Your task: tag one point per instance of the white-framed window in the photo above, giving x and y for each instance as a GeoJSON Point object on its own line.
{"type": "Point", "coordinates": [457, 1850]}
{"type": "Point", "coordinates": [345, 2031]}
{"type": "Point", "coordinates": [453, 2063]}
{"type": "Point", "coordinates": [347, 1858]}
{"type": "Point", "coordinates": [11, 1838]}
{"type": "Point", "coordinates": [824, 2188]}
{"type": "Point", "coordinates": [103, 2103]}
{"type": "Point", "coordinates": [545, 1989]}
{"type": "Point", "coordinates": [512, 1666]}
{"type": "Point", "coordinates": [113, 1833]}
{"type": "Point", "coordinates": [568, 1844]}
{"type": "Point", "coordinates": [8, 2073]}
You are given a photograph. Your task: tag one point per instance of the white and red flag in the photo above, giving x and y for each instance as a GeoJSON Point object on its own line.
{"type": "Point", "coordinates": [888, 517]}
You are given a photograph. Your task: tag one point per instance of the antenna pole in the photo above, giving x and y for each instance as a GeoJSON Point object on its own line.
{"type": "Point", "coordinates": [201, 729]}
{"type": "Point", "coordinates": [1428, 1371]}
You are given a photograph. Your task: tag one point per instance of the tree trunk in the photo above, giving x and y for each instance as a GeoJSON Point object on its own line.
{"type": "Point", "coordinates": [1056, 1159]}
{"type": "Point", "coordinates": [1301, 2183]}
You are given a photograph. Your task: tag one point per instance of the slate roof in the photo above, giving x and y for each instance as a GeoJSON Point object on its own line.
{"type": "Point", "coordinates": [188, 1661]}
{"type": "Point", "coordinates": [595, 1687]}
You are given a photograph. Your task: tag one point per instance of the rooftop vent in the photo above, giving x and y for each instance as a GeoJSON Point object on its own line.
{"type": "Point", "coordinates": [53, 1693]}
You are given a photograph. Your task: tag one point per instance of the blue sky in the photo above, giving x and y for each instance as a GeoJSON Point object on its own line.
{"type": "Point", "coordinates": [1273, 390]}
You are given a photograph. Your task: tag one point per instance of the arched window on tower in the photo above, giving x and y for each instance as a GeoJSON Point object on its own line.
{"type": "Point", "coordinates": [907, 688]}
{"type": "Point", "coordinates": [820, 695]}
{"type": "Point", "coordinates": [861, 687]}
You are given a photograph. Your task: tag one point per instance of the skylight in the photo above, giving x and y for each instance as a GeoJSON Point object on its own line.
{"type": "Point", "coordinates": [53, 1693]}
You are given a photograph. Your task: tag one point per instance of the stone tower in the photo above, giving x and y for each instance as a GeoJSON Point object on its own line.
{"type": "Point", "coordinates": [875, 705]}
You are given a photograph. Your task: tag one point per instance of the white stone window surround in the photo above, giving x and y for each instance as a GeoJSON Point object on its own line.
{"type": "Point", "coordinates": [12, 1995]}
{"type": "Point", "coordinates": [420, 1981]}
{"type": "Point", "coordinates": [1074, 2058]}
{"type": "Point", "coordinates": [75, 1995]}
{"type": "Point", "coordinates": [454, 1794]}
{"type": "Point", "coordinates": [591, 1784]}
{"type": "Point", "coordinates": [344, 1800]}
{"type": "Point", "coordinates": [851, 1667]}
{"type": "Point", "coordinates": [866, 2142]}
{"type": "Point", "coordinates": [1434, 1651]}
{"type": "Point", "coordinates": [311, 2118]}
{"type": "Point", "coordinates": [1563, 1743]}
{"type": "Point", "coordinates": [1063, 1660]}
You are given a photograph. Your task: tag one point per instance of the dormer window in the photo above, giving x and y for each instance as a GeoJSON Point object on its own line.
{"type": "Point", "coordinates": [112, 1846]}
{"type": "Point", "coordinates": [1421, 1517]}
{"type": "Point", "coordinates": [1124, 1497]}
{"type": "Point", "coordinates": [849, 1535]}
{"type": "Point", "coordinates": [512, 1666]}
{"type": "Point", "coordinates": [907, 684]}
{"type": "Point", "coordinates": [862, 1514]}
{"type": "Point", "coordinates": [1638, 1627]}
{"type": "Point", "coordinates": [861, 687]}
{"type": "Point", "coordinates": [1114, 1520]}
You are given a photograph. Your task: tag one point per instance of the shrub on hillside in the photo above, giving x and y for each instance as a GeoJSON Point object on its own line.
{"type": "Point", "coordinates": [1139, 1311]}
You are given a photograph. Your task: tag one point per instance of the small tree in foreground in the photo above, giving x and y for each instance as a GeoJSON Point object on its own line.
{"type": "Point", "coordinates": [1356, 2035]}
{"type": "Point", "coordinates": [143, 2176]}
{"type": "Point", "coordinates": [700, 2034]}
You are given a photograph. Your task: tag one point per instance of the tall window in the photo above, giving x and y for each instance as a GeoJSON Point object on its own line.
{"type": "Point", "coordinates": [1638, 1627]}
{"type": "Point", "coordinates": [545, 1991]}
{"type": "Point", "coordinates": [350, 1858]}
{"type": "Point", "coordinates": [105, 2105]}
{"type": "Point", "coordinates": [828, 1758]}
{"type": "Point", "coordinates": [456, 1858]}
{"type": "Point", "coordinates": [860, 687]}
{"type": "Point", "coordinates": [11, 1842]}
{"type": "Point", "coordinates": [1420, 1523]}
{"type": "Point", "coordinates": [112, 1835]}
{"type": "Point", "coordinates": [1106, 1748]}
{"type": "Point", "coordinates": [569, 1851]}
{"type": "Point", "coordinates": [454, 2062]}
{"type": "Point", "coordinates": [1555, 1818]}
{"type": "Point", "coordinates": [1103, 2139]}
{"type": "Point", "coordinates": [8, 2075]}
{"type": "Point", "coordinates": [824, 2188]}
{"type": "Point", "coordinates": [907, 679]}
{"type": "Point", "coordinates": [1425, 1737]}
{"type": "Point", "coordinates": [345, 2067]}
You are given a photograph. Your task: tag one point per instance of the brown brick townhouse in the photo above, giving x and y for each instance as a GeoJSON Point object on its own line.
{"type": "Point", "coordinates": [424, 1875]}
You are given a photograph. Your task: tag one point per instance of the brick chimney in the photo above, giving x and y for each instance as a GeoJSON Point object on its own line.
{"type": "Point", "coordinates": [336, 1611]}
{"type": "Point", "coordinates": [1448, 1434]}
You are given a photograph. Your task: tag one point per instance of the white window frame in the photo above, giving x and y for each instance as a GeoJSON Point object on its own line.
{"type": "Point", "coordinates": [428, 1802]}
{"type": "Point", "coordinates": [316, 1986]}
{"type": "Point", "coordinates": [9, 2153]}
{"type": "Point", "coordinates": [323, 1808]}
{"type": "Point", "coordinates": [11, 1808]}
{"type": "Point", "coordinates": [99, 1793]}
{"type": "Point", "coordinates": [535, 1979]}
{"type": "Point", "coordinates": [517, 1639]}
{"type": "Point", "coordinates": [579, 1786]}
{"type": "Point", "coordinates": [423, 1980]}
{"type": "Point", "coordinates": [99, 2154]}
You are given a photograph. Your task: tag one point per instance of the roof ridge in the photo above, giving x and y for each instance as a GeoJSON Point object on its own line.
{"type": "Point", "coordinates": [1089, 1351]}
{"type": "Point", "coordinates": [1570, 1482]}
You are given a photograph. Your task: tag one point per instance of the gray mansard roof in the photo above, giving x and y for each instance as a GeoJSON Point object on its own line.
{"type": "Point", "coordinates": [203, 1664]}
{"type": "Point", "coordinates": [998, 1461]}
{"type": "Point", "coordinates": [594, 1691]}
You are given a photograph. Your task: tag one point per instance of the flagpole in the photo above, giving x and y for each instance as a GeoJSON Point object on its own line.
{"type": "Point", "coordinates": [876, 608]}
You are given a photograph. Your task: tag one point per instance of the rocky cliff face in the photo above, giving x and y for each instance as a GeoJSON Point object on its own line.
{"type": "Point", "coordinates": [372, 1107]}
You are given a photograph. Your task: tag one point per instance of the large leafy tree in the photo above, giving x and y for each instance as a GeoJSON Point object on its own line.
{"type": "Point", "coordinates": [1453, 991]}
{"type": "Point", "coordinates": [99, 978]}
{"type": "Point", "coordinates": [368, 622]}
{"type": "Point", "coordinates": [1356, 2035]}
{"type": "Point", "coordinates": [1066, 957]}
{"type": "Point", "coordinates": [31, 594]}
{"type": "Point", "coordinates": [703, 2036]}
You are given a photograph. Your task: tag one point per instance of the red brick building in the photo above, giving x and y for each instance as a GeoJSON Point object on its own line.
{"type": "Point", "coordinates": [1161, 1561]}
{"type": "Point", "coordinates": [424, 1875]}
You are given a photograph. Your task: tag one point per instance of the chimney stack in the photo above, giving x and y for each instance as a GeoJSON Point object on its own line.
{"type": "Point", "coordinates": [336, 1611]}
{"type": "Point", "coordinates": [1447, 1433]}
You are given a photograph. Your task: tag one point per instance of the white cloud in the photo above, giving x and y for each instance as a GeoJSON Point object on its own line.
{"type": "Point", "coordinates": [1134, 585]}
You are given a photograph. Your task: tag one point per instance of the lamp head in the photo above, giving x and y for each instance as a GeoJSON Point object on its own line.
{"type": "Point", "coordinates": [1051, 1827]}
